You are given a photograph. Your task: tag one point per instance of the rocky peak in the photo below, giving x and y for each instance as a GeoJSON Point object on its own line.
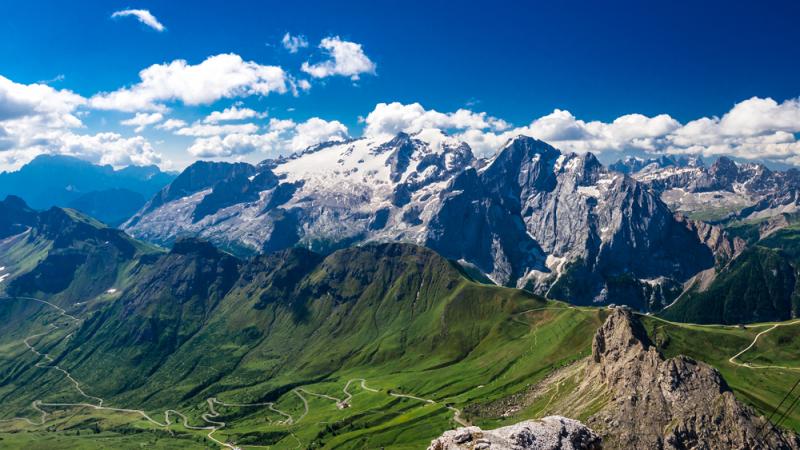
{"type": "Point", "coordinates": [549, 433]}
{"type": "Point", "coordinates": [587, 168]}
{"type": "Point", "coordinates": [402, 149]}
{"type": "Point", "coordinates": [520, 151]}
{"type": "Point", "coordinates": [675, 403]}
{"type": "Point", "coordinates": [724, 172]}
{"type": "Point", "coordinates": [619, 334]}
{"type": "Point", "coordinates": [631, 164]}
{"type": "Point", "coordinates": [200, 175]}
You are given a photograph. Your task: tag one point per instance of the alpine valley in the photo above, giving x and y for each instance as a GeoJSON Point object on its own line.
{"type": "Point", "coordinates": [402, 293]}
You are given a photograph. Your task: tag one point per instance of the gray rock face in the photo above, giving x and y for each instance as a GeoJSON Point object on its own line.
{"type": "Point", "coordinates": [566, 226]}
{"type": "Point", "coordinates": [742, 191]}
{"type": "Point", "coordinates": [677, 403]}
{"type": "Point", "coordinates": [530, 217]}
{"type": "Point", "coordinates": [549, 433]}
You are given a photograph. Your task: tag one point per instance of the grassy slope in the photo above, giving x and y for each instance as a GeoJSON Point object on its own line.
{"type": "Point", "coordinates": [759, 285]}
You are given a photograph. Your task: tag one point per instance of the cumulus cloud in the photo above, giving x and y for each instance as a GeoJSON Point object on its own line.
{"type": "Point", "coordinates": [315, 131]}
{"type": "Point", "coordinates": [388, 119]}
{"type": "Point", "coordinates": [144, 16]}
{"type": "Point", "coordinates": [233, 113]}
{"type": "Point", "coordinates": [36, 119]}
{"type": "Point", "coordinates": [99, 148]}
{"type": "Point", "coordinates": [281, 136]}
{"type": "Point", "coordinates": [232, 145]}
{"type": "Point", "coordinates": [108, 148]}
{"type": "Point", "coordinates": [171, 124]}
{"type": "Point", "coordinates": [757, 116]}
{"type": "Point", "coordinates": [294, 43]}
{"type": "Point", "coordinates": [220, 76]}
{"type": "Point", "coordinates": [199, 129]}
{"type": "Point", "coordinates": [345, 59]}
{"type": "Point", "coordinates": [142, 120]}
{"type": "Point", "coordinates": [19, 101]}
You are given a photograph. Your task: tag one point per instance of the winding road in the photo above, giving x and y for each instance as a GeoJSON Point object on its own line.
{"type": "Point", "coordinates": [733, 358]}
{"type": "Point", "coordinates": [98, 401]}
{"type": "Point", "coordinates": [210, 417]}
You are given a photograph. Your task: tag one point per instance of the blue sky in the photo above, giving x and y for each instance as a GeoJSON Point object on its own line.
{"type": "Point", "coordinates": [511, 63]}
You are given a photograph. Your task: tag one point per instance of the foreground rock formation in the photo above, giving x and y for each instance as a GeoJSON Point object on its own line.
{"type": "Point", "coordinates": [678, 403]}
{"type": "Point", "coordinates": [634, 398]}
{"type": "Point", "coordinates": [550, 433]}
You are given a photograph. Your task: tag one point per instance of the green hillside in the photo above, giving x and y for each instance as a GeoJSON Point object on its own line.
{"type": "Point", "coordinates": [759, 285]}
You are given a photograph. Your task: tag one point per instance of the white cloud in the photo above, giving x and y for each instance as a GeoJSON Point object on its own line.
{"type": "Point", "coordinates": [346, 59]}
{"type": "Point", "coordinates": [142, 120]}
{"type": "Point", "coordinates": [219, 76]}
{"type": "Point", "coordinates": [109, 148]}
{"type": "Point", "coordinates": [315, 131]}
{"type": "Point", "coordinates": [233, 113]}
{"type": "Point", "coordinates": [294, 43]}
{"type": "Point", "coordinates": [100, 148]}
{"type": "Point", "coordinates": [198, 129]}
{"type": "Point", "coordinates": [171, 124]}
{"type": "Point", "coordinates": [757, 116]}
{"type": "Point", "coordinates": [232, 145]}
{"type": "Point", "coordinates": [281, 124]}
{"type": "Point", "coordinates": [283, 136]}
{"type": "Point", "coordinates": [19, 101]}
{"type": "Point", "coordinates": [144, 16]}
{"type": "Point", "coordinates": [36, 119]}
{"type": "Point", "coordinates": [388, 119]}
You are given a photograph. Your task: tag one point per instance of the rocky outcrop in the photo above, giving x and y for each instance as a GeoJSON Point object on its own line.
{"type": "Point", "coordinates": [724, 246]}
{"type": "Point", "coordinates": [658, 403]}
{"type": "Point", "coordinates": [549, 433]}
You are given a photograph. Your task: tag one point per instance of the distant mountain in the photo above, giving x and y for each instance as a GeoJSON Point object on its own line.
{"type": "Point", "coordinates": [531, 216]}
{"type": "Point", "coordinates": [725, 191]}
{"type": "Point", "coordinates": [632, 164]}
{"type": "Point", "coordinates": [112, 206]}
{"type": "Point", "coordinates": [107, 194]}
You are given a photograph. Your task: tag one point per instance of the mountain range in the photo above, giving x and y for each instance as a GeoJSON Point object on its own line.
{"type": "Point", "coordinates": [100, 191]}
{"type": "Point", "coordinates": [560, 225]}
{"type": "Point", "coordinates": [641, 232]}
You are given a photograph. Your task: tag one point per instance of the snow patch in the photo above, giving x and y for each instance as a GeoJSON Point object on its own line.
{"type": "Point", "coordinates": [589, 191]}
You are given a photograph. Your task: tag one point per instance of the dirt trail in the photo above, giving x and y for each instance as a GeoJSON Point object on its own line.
{"type": "Point", "coordinates": [733, 358]}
